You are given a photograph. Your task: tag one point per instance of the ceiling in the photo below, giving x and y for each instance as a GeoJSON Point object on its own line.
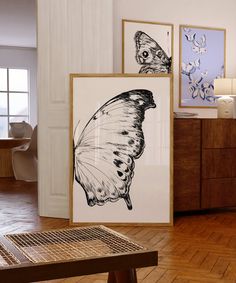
{"type": "Point", "coordinates": [18, 23]}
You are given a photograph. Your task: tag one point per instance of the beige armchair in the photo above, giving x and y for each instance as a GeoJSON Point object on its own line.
{"type": "Point", "coordinates": [25, 160]}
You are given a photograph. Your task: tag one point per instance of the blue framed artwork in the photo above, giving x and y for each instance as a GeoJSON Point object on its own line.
{"type": "Point", "coordinates": [202, 59]}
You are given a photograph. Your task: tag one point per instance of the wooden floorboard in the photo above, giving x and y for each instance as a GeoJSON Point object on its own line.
{"type": "Point", "coordinates": [199, 248]}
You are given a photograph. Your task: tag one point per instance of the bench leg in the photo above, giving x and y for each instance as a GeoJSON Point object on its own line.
{"type": "Point", "coordinates": [122, 276]}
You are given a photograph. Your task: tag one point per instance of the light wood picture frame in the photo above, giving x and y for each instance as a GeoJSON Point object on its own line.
{"type": "Point", "coordinates": [202, 59]}
{"type": "Point", "coordinates": [120, 150]}
{"type": "Point", "coordinates": [147, 47]}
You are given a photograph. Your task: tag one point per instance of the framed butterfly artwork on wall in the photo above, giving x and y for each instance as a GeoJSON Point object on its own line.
{"type": "Point", "coordinates": [147, 47]}
{"type": "Point", "coordinates": [121, 149]}
{"type": "Point", "coordinates": [202, 59]}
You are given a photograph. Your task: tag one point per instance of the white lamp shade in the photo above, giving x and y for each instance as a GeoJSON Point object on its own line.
{"type": "Point", "coordinates": [223, 86]}
{"type": "Point", "coordinates": [233, 87]}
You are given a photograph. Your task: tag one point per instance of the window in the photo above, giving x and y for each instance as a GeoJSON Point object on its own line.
{"type": "Point", "coordinates": [14, 98]}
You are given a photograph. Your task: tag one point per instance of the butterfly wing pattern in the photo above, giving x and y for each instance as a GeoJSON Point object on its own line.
{"type": "Point", "coordinates": [105, 151]}
{"type": "Point", "coordinates": [150, 55]}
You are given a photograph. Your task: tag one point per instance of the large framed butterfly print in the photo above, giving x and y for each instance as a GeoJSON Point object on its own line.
{"type": "Point", "coordinates": [121, 149]}
{"type": "Point", "coordinates": [147, 47]}
{"type": "Point", "coordinates": [202, 59]}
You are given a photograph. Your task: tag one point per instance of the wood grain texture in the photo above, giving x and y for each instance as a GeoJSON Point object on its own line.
{"type": "Point", "coordinates": [218, 133]}
{"type": "Point", "coordinates": [219, 163]}
{"type": "Point", "coordinates": [64, 269]}
{"type": "Point", "coordinates": [204, 156]}
{"type": "Point", "coordinates": [11, 142]}
{"type": "Point", "coordinates": [187, 158]}
{"type": "Point", "coordinates": [218, 192]}
{"type": "Point", "coordinates": [198, 248]}
{"type": "Point", "coordinates": [125, 276]}
{"type": "Point", "coordinates": [5, 155]}
{"type": "Point", "coordinates": [5, 163]}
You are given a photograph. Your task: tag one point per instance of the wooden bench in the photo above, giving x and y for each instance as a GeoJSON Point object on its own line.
{"type": "Point", "coordinates": [54, 254]}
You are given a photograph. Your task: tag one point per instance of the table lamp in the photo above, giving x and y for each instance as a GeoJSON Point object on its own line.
{"type": "Point", "coordinates": [223, 87]}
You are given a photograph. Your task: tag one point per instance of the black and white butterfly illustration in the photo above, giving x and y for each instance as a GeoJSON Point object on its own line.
{"type": "Point", "coordinates": [106, 149]}
{"type": "Point", "coordinates": [150, 55]}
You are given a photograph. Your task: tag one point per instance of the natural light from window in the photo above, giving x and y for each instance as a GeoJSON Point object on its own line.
{"type": "Point", "coordinates": [14, 98]}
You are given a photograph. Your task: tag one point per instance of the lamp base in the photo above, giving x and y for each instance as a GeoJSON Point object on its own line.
{"type": "Point", "coordinates": [225, 107]}
{"type": "Point", "coordinates": [234, 98]}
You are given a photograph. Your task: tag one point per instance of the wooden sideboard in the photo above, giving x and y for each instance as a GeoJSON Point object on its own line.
{"type": "Point", "coordinates": [5, 155]}
{"type": "Point", "coordinates": [204, 163]}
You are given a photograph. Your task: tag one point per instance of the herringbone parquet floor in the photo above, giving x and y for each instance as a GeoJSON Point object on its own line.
{"type": "Point", "coordinates": [199, 248]}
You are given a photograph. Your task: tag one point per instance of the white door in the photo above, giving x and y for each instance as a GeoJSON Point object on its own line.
{"type": "Point", "coordinates": [74, 36]}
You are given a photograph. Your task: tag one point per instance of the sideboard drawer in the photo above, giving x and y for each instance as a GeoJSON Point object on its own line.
{"type": "Point", "coordinates": [204, 163]}
{"type": "Point", "coordinates": [218, 163]}
{"type": "Point", "coordinates": [218, 193]}
{"type": "Point", "coordinates": [218, 133]}
{"type": "Point", "coordinates": [187, 170]}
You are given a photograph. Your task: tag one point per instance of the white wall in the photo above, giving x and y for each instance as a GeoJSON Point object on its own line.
{"type": "Point", "coordinates": [211, 13]}
{"type": "Point", "coordinates": [18, 23]}
{"type": "Point", "coordinates": [19, 57]}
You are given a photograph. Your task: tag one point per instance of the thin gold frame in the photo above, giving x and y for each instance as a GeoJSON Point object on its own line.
{"type": "Point", "coordinates": [71, 176]}
{"type": "Point", "coordinates": [180, 60]}
{"type": "Point", "coordinates": [152, 23]}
